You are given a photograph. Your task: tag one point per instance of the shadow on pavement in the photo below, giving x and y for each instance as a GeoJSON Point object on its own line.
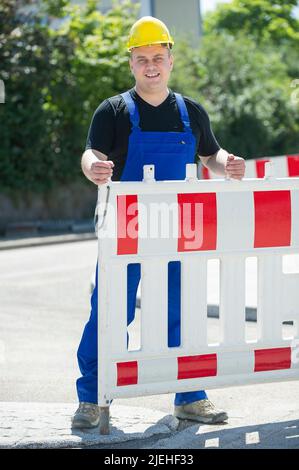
{"type": "Point", "coordinates": [277, 435]}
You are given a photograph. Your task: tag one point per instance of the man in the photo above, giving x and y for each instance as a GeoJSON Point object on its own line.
{"type": "Point", "coordinates": [148, 124]}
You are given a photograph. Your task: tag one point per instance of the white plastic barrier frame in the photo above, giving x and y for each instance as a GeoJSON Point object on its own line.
{"type": "Point", "coordinates": [252, 217]}
{"type": "Point", "coordinates": [285, 166]}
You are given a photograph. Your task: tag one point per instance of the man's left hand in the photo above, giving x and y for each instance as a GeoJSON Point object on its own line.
{"type": "Point", "coordinates": [235, 167]}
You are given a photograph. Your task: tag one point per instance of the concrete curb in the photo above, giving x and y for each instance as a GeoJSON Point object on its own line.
{"type": "Point", "coordinates": [213, 310]}
{"type": "Point", "coordinates": [48, 426]}
{"type": "Point", "coordinates": [250, 312]}
{"type": "Point", "coordinates": [45, 240]}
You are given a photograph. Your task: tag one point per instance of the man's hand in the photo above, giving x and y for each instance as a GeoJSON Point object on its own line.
{"type": "Point", "coordinates": [235, 167]}
{"type": "Point", "coordinates": [100, 171]}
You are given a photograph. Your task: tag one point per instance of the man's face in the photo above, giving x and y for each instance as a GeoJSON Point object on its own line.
{"type": "Point", "coordinates": [151, 67]}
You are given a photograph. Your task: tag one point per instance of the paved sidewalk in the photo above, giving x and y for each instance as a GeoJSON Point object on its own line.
{"type": "Point", "coordinates": [264, 416]}
{"type": "Point", "coordinates": [47, 425]}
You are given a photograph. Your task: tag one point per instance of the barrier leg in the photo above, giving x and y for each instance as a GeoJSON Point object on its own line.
{"type": "Point", "coordinates": [104, 420]}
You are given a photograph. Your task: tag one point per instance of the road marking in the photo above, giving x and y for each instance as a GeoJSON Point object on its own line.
{"type": "Point", "coordinates": [252, 438]}
{"type": "Point", "coordinates": [212, 442]}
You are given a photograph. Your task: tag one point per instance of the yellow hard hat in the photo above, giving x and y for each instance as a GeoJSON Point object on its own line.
{"type": "Point", "coordinates": [148, 30]}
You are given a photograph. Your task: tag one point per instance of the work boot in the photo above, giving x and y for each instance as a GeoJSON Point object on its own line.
{"type": "Point", "coordinates": [86, 416]}
{"type": "Point", "coordinates": [202, 411]}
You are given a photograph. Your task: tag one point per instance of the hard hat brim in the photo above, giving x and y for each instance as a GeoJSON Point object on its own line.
{"type": "Point", "coordinates": [171, 43]}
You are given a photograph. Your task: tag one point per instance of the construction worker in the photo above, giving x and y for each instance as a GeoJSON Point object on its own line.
{"type": "Point", "coordinates": [149, 124]}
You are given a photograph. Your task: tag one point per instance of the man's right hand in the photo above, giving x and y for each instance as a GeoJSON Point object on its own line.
{"type": "Point", "coordinates": [100, 171]}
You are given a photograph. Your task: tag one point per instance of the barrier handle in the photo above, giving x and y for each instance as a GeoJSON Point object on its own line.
{"type": "Point", "coordinates": [148, 173]}
{"type": "Point", "coordinates": [191, 172]}
{"type": "Point", "coordinates": [269, 170]}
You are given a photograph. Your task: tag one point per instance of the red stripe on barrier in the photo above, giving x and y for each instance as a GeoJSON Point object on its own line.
{"type": "Point", "coordinates": [272, 218]}
{"type": "Point", "coordinates": [293, 165]}
{"type": "Point", "coordinates": [127, 373]}
{"type": "Point", "coordinates": [272, 359]}
{"type": "Point", "coordinates": [260, 168]}
{"type": "Point", "coordinates": [205, 173]}
{"type": "Point", "coordinates": [191, 367]}
{"type": "Point", "coordinates": [197, 222]}
{"type": "Point", "coordinates": [127, 225]}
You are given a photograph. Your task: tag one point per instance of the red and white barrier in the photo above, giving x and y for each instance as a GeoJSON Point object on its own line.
{"type": "Point", "coordinates": [284, 166]}
{"type": "Point", "coordinates": [268, 218]}
{"type": "Point", "coordinates": [230, 220]}
{"type": "Point", "coordinates": [220, 365]}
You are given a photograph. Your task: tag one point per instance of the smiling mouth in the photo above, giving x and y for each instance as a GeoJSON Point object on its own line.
{"type": "Point", "coordinates": [152, 75]}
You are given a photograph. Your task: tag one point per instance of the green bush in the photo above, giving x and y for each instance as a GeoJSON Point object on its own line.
{"type": "Point", "coordinates": [265, 21]}
{"type": "Point", "coordinates": [244, 83]}
{"type": "Point", "coordinates": [54, 80]}
{"type": "Point", "coordinates": [56, 77]}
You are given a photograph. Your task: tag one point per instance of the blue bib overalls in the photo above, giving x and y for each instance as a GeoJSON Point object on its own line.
{"type": "Point", "coordinates": [169, 152]}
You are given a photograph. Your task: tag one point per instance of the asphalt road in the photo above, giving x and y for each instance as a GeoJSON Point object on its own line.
{"type": "Point", "coordinates": [45, 295]}
{"type": "Point", "coordinates": [44, 305]}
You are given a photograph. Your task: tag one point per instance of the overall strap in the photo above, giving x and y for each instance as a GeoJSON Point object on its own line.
{"type": "Point", "coordinates": [183, 111]}
{"type": "Point", "coordinates": [133, 110]}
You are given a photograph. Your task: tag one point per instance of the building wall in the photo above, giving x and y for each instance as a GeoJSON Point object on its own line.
{"type": "Point", "coordinates": [105, 5]}
{"type": "Point", "coordinates": [182, 18]}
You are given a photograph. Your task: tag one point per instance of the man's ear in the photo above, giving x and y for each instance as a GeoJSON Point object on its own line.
{"type": "Point", "coordinates": [172, 62]}
{"type": "Point", "coordinates": [130, 65]}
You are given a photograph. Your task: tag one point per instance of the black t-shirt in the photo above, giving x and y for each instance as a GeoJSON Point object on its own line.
{"type": "Point", "coordinates": [110, 126]}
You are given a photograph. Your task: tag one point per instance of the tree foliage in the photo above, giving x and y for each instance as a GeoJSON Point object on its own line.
{"type": "Point", "coordinates": [56, 74]}
{"type": "Point", "coordinates": [263, 20]}
{"type": "Point", "coordinates": [243, 73]}
{"type": "Point", "coordinates": [266, 22]}
{"type": "Point", "coordinates": [54, 79]}
{"type": "Point", "coordinates": [247, 94]}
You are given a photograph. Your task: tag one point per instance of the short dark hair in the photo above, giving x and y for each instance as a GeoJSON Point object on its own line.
{"type": "Point", "coordinates": [166, 44]}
